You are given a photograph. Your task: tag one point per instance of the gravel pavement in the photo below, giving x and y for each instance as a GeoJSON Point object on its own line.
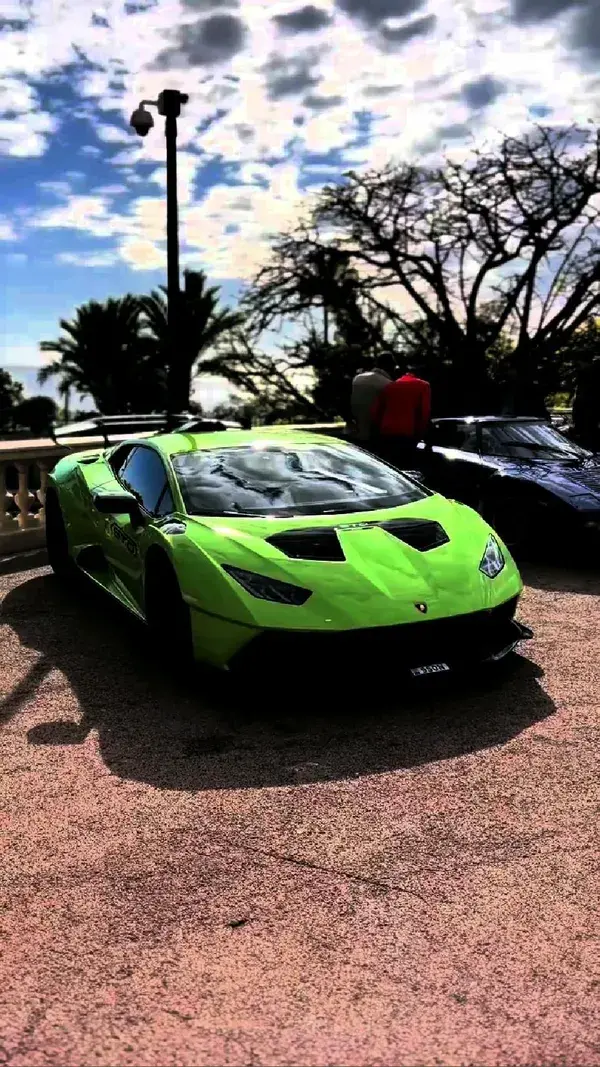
{"type": "Point", "coordinates": [192, 875]}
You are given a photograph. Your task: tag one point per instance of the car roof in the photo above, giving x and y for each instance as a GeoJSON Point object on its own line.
{"type": "Point", "coordinates": [173, 444]}
{"type": "Point", "coordinates": [488, 418]}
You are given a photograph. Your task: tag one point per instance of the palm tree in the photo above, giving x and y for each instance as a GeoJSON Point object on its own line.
{"type": "Point", "coordinates": [202, 323]}
{"type": "Point", "coordinates": [102, 354]}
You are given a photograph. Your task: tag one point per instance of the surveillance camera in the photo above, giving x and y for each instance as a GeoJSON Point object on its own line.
{"type": "Point", "coordinates": [142, 121]}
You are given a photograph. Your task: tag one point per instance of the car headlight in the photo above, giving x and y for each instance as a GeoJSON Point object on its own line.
{"type": "Point", "coordinates": [492, 561]}
{"type": "Point", "coordinates": [268, 588]}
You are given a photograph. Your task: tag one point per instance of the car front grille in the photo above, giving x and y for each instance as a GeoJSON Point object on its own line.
{"type": "Point", "coordinates": [473, 637]}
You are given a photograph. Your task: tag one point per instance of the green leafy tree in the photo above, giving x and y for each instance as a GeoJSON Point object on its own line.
{"type": "Point", "coordinates": [101, 353]}
{"type": "Point", "coordinates": [572, 359]}
{"type": "Point", "coordinates": [202, 323]}
{"type": "Point", "coordinates": [37, 415]}
{"type": "Point", "coordinates": [11, 394]}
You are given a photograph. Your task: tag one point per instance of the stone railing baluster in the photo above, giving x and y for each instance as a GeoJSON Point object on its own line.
{"type": "Point", "coordinates": [8, 520]}
{"type": "Point", "coordinates": [24, 470]}
{"type": "Point", "coordinates": [24, 497]}
{"type": "Point", "coordinates": [44, 468]}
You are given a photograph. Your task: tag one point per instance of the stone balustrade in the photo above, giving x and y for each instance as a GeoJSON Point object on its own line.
{"type": "Point", "coordinates": [24, 469]}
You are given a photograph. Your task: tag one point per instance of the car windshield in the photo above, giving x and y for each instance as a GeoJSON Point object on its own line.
{"type": "Point", "coordinates": [528, 440]}
{"type": "Point", "coordinates": [280, 480]}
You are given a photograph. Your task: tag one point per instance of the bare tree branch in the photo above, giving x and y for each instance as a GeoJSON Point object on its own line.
{"type": "Point", "coordinates": [517, 224]}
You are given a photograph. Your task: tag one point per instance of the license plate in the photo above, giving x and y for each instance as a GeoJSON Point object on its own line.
{"type": "Point", "coordinates": [432, 668]}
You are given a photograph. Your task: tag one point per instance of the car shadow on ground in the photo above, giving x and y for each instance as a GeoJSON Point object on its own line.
{"type": "Point", "coordinates": [202, 731]}
{"type": "Point", "coordinates": [549, 576]}
{"type": "Point", "coordinates": [23, 561]}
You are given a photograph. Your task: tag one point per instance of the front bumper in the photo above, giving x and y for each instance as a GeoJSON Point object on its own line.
{"type": "Point", "coordinates": [454, 643]}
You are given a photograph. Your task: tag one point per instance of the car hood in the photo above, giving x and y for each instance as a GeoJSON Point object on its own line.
{"type": "Point", "coordinates": [575, 481]}
{"type": "Point", "coordinates": [378, 581]}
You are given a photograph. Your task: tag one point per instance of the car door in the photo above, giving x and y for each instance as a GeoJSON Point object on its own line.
{"type": "Point", "coordinates": [451, 462]}
{"type": "Point", "coordinates": [143, 474]}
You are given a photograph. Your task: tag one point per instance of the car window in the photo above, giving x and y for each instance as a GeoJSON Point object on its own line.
{"type": "Point", "coordinates": [119, 458]}
{"type": "Point", "coordinates": [528, 440]}
{"type": "Point", "coordinates": [143, 474]}
{"type": "Point", "coordinates": [268, 480]}
{"type": "Point", "coordinates": [462, 435]}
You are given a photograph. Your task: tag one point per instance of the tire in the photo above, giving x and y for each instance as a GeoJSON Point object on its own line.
{"type": "Point", "coordinates": [57, 542]}
{"type": "Point", "coordinates": [167, 614]}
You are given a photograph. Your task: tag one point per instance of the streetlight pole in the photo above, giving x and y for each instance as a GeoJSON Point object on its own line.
{"type": "Point", "coordinates": [169, 105]}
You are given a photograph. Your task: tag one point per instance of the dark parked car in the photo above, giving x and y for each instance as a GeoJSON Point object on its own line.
{"type": "Point", "coordinates": [528, 480]}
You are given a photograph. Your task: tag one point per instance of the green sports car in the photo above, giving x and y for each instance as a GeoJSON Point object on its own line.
{"type": "Point", "coordinates": [278, 545]}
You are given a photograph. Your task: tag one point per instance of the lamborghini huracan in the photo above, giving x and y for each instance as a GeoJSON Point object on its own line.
{"type": "Point", "coordinates": [281, 546]}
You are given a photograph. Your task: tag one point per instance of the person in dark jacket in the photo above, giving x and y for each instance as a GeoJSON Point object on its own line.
{"type": "Point", "coordinates": [586, 407]}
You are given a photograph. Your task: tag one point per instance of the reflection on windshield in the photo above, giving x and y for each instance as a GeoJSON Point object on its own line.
{"type": "Point", "coordinates": [528, 440]}
{"type": "Point", "coordinates": [286, 480]}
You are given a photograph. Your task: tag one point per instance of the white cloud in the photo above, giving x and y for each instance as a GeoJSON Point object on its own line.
{"type": "Point", "coordinates": [187, 169]}
{"type": "Point", "coordinates": [141, 254]}
{"type": "Point", "coordinates": [7, 230]}
{"type": "Point", "coordinates": [26, 135]}
{"type": "Point", "coordinates": [58, 188]}
{"type": "Point", "coordinates": [228, 231]}
{"type": "Point", "coordinates": [112, 134]}
{"type": "Point", "coordinates": [24, 126]}
{"type": "Point", "coordinates": [110, 190]}
{"type": "Point", "coordinates": [251, 213]}
{"type": "Point", "coordinates": [87, 213]}
{"type": "Point", "coordinates": [87, 259]}
{"type": "Point", "coordinates": [261, 132]}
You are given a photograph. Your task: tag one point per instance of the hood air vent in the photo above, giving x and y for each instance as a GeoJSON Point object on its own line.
{"type": "Point", "coordinates": [422, 534]}
{"type": "Point", "coordinates": [323, 544]}
{"type": "Point", "coordinates": [318, 544]}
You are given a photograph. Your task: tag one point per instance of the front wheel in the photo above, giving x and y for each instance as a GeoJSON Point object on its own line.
{"type": "Point", "coordinates": [167, 614]}
{"type": "Point", "coordinates": [57, 542]}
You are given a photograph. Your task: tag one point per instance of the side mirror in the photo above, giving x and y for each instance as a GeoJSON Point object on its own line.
{"type": "Point", "coordinates": [117, 504]}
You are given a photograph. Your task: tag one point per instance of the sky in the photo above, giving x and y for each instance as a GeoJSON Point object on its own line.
{"type": "Point", "coordinates": [283, 97]}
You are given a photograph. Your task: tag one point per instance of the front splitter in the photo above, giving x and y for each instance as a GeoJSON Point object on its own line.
{"type": "Point", "coordinates": [460, 665]}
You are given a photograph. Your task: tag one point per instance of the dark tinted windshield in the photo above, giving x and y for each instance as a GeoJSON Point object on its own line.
{"type": "Point", "coordinates": [528, 440]}
{"type": "Point", "coordinates": [449, 434]}
{"type": "Point", "coordinates": [286, 480]}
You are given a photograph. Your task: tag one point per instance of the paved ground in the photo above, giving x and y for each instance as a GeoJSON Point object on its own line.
{"type": "Point", "coordinates": [188, 880]}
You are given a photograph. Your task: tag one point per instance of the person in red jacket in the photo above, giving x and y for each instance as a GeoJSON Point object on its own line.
{"type": "Point", "coordinates": [401, 415]}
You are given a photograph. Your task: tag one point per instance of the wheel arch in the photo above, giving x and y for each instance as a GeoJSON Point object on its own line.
{"type": "Point", "coordinates": [155, 558]}
{"type": "Point", "coordinates": [53, 497]}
